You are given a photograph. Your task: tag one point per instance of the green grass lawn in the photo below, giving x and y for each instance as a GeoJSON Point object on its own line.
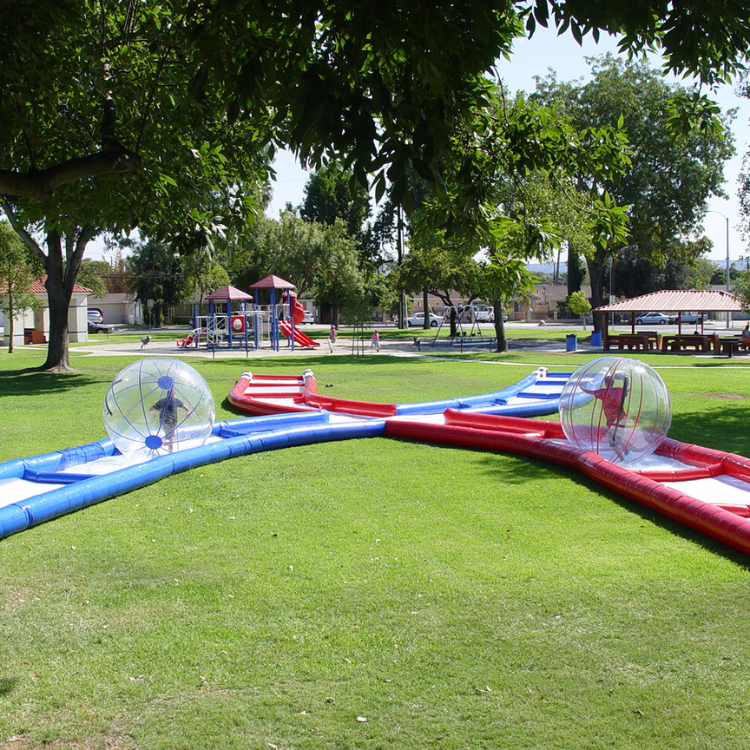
{"type": "Point", "coordinates": [370, 594]}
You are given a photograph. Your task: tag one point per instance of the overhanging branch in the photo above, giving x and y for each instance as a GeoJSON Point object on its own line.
{"type": "Point", "coordinates": [20, 230]}
{"type": "Point", "coordinates": [42, 184]}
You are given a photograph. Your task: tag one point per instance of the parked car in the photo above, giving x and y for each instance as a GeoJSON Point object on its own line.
{"type": "Point", "coordinates": [480, 313]}
{"type": "Point", "coordinates": [95, 319]}
{"type": "Point", "coordinates": [95, 315]}
{"type": "Point", "coordinates": [653, 318]}
{"type": "Point", "coordinates": [309, 317]}
{"type": "Point", "coordinates": [484, 314]}
{"type": "Point", "coordinates": [417, 320]}
{"type": "Point", "coordinates": [691, 317]}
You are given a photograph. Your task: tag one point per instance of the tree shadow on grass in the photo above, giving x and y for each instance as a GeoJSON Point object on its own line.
{"type": "Point", "coordinates": [6, 685]}
{"type": "Point", "coordinates": [722, 429]}
{"type": "Point", "coordinates": [520, 469]}
{"type": "Point", "coordinates": [35, 383]}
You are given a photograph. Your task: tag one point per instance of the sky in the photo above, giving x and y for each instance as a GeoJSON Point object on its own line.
{"type": "Point", "coordinates": [535, 57]}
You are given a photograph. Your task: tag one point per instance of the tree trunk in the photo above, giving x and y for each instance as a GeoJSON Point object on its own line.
{"type": "Point", "coordinates": [61, 278]}
{"type": "Point", "coordinates": [453, 321]}
{"type": "Point", "coordinates": [575, 272]}
{"type": "Point", "coordinates": [62, 273]}
{"type": "Point", "coordinates": [502, 341]}
{"type": "Point", "coordinates": [11, 322]}
{"type": "Point", "coordinates": [59, 303]}
{"type": "Point", "coordinates": [425, 307]}
{"type": "Point", "coordinates": [596, 275]}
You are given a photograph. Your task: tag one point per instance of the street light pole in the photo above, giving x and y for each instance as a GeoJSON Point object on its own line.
{"type": "Point", "coordinates": [726, 219]}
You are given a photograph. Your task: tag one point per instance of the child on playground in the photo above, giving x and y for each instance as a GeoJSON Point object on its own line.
{"type": "Point", "coordinates": [332, 337]}
{"type": "Point", "coordinates": [375, 341]}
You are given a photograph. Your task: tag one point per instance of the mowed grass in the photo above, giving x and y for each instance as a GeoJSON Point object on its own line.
{"type": "Point", "coordinates": [372, 593]}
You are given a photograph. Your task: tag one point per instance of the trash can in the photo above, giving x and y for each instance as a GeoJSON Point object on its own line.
{"type": "Point", "coordinates": [596, 338]}
{"type": "Point", "coordinates": [571, 342]}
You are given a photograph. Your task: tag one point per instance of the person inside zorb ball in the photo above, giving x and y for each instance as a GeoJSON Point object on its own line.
{"type": "Point", "coordinates": [616, 407]}
{"type": "Point", "coordinates": [159, 405]}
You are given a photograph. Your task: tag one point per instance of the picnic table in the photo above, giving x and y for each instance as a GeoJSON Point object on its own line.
{"type": "Point", "coordinates": [698, 341]}
{"type": "Point", "coordinates": [732, 344]}
{"type": "Point", "coordinates": [644, 340]}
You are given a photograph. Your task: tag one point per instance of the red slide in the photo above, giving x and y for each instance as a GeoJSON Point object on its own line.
{"type": "Point", "coordinates": [297, 313]}
{"type": "Point", "coordinates": [301, 339]}
{"type": "Point", "coordinates": [296, 310]}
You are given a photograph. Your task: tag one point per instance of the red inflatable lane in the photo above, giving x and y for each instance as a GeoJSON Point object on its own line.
{"type": "Point", "coordinates": [349, 406]}
{"type": "Point", "coordinates": [251, 392]}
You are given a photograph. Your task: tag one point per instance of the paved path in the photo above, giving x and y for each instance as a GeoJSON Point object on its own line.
{"type": "Point", "coordinates": [101, 348]}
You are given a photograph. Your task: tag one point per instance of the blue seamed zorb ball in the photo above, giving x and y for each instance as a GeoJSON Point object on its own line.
{"type": "Point", "coordinates": [616, 407]}
{"type": "Point", "coordinates": [158, 405]}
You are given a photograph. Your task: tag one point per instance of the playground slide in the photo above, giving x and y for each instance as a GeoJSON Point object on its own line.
{"type": "Point", "coordinates": [190, 339]}
{"type": "Point", "coordinates": [296, 310]}
{"type": "Point", "coordinates": [300, 339]}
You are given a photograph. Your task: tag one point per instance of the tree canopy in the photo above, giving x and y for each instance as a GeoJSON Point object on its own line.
{"type": "Point", "coordinates": [677, 160]}
{"type": "Point", "coordinates": [377, 85]}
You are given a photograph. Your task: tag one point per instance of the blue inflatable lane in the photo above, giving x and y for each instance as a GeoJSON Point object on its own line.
{"type": "Point", "coordinates": [51, 491]}
{"type": "Point", "coordinates": [40, 488]}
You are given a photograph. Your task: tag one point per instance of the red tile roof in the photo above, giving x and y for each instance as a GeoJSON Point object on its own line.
{"type": "Point", "coordinates": [37, 287]}
{"type": "Point", "coordinates": [272, 282]}
{"type": "Point", "coordinates": [229, 293]}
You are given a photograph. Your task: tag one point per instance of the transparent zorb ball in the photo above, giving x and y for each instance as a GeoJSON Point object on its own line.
{"type": "Point", "coordinates": [158, 405]}
{"type": "Point", "coordinates": [616, 407]}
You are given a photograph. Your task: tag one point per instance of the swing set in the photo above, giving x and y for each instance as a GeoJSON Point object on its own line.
{"type": "Point", "coordinates": [471, 338]}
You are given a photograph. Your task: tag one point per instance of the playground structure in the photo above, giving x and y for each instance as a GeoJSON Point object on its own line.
{"type": "Point", "coordinates": [239, 326]}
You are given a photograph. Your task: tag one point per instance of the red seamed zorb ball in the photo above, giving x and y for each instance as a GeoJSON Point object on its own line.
{"type": "Point", "coordinates": [616, 407]}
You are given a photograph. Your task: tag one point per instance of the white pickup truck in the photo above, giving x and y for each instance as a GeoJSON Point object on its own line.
{"type": "Point", "coordinates": [482, 313]}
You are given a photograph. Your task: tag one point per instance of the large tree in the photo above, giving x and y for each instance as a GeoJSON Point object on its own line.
{"type": "Point", "coordinates": [677, 159]}
{"type": "Point", "coordinates": [524, 197]}
{"type": "Point", "coordinates": [109, 138]}
{"type": "Point", "coordinates": [289, 247]}
{"type": "Point", "coordinates": [158, 279]}
{"type": "Point", "coordinates": [92, 91]}
{"type": "Point", "coordinates": [376, 84]}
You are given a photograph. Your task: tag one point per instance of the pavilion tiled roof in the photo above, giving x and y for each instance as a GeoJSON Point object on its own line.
{"type": "Point", "coordinates": [678, 300]}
